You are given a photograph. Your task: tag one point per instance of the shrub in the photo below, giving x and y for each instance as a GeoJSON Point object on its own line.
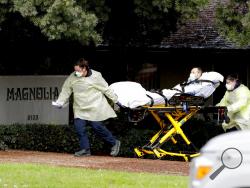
{"type": "Point", "coordinates": [62, 138]}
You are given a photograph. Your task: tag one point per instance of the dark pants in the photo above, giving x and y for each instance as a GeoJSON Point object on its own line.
{"type": "Point", "coordinates": [99, 128]}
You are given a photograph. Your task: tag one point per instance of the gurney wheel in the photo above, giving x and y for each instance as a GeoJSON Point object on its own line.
{"type": "Point", "coordinates": [158, 158]}
{"type": "Point", "coordinates": [138, 153]}
{"type": "Point", "coordinates": [137, 156]}
{"type": "Point", "coordinates": [140, 157]}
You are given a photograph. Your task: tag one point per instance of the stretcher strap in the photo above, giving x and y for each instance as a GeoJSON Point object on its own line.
{"type": "Point", "coordinates": [177, 90]}
{"type": "Point", "coordinates": [163, 96]}
{"type": "Point", "coordinates": [151, 100]}
{"type": "Point", "coordinates": [184, 84]}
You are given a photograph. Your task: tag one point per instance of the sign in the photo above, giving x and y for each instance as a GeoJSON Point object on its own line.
{"type": "Point", "coordinates": [27, 100]}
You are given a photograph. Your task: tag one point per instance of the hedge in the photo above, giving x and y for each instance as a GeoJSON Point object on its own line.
{"type": "Point", "coordinates": [63, 138]}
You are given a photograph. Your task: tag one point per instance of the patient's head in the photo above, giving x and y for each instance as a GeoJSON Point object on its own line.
{"type": "Point", "coordinates": [195, 74]}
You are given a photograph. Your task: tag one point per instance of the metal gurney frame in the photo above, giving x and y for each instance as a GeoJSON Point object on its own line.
{"type": "Point", "coordinates": [177, 116]}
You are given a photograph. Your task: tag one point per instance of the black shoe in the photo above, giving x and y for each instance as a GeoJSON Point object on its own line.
{"type": "Point", "coordinates": [115, 149]}
{"type": "Point", "coordinates": [82, 153]}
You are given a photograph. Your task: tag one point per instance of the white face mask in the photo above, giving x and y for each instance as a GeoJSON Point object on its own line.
{"type": "Point", "coordinates": [78, 74]}
{"type": "Point", "coordinates": [229, 87]}
{"type": "Point", "coordinates": [192, 77]}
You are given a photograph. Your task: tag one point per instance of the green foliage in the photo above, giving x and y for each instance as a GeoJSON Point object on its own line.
{"type": "Point", "coordinates": [160, 17]}
{"type": "Point", "coordinates": [38, 137]}
{"type": "Point", "coordinates": [58, 19]}
{"type": "Point", "coordinates": [130, 22]}
{"type": "Point", "coordinates": [155, 8]}
{"type": "Point", "coordinates": [100, 9]}
{"type": "Point", "coordinates": [233, 21]}
{"type": "Point", "coordinates": [186, 9]}
{"type": "Point", "coordinates": [62, 138]}
{"type": "Point", "coordinates": [97, 7]}
{"type": "Point", "coordinates": [4, 9]}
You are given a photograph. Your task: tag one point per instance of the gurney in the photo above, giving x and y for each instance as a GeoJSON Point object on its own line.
{"type": "Point", "coordinates": [177, 114]}
{"type": "Point", "coordinates": [171, 112]}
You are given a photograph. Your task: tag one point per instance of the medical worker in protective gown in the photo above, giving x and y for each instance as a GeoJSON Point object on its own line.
{"type": "Point", "coordinates": [237, 101]}
{"type": "Point", "coordinates": [90, 105]}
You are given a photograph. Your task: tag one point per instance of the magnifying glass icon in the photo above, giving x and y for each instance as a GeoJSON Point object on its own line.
{"type": "Point", "coordinates": [231, 158]}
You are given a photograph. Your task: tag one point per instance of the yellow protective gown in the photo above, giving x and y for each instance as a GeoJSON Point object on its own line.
{"type": "Point", "coordinates": [238, 105]}
{"type": "Point", "coordinates": [89, 94]}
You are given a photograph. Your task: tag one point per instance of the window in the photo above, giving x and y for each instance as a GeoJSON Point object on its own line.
{"type": "Point", "coordinates": [145, 74]}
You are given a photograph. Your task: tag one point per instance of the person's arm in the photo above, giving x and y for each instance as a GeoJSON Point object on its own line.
{"type": "Point", "coordinates": [240, 101]}
{"type": "Point", "coordinates": [223, 101]}
{"type": "Point", "coordinates": [65, 92]}
{"type": "Point", "coordinates": [102, 86]}
{"type": "Point", "coordinates": [206, 91]}
{"type": "Point", "coordinates": [192, 88]}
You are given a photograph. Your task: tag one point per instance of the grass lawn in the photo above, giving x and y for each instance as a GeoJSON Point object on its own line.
{"type": "Point", "coordinates": [33, 175]}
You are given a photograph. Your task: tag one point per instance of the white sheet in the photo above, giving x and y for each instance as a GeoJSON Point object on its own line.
{"type": "Point", "coordinates": [132, 94]}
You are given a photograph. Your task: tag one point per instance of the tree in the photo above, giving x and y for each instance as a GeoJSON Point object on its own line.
{"type": "Point", "coordinates": [124, 22]}
{"type": "Point", "coordinates": [233, 21]}
{"type": "Point", "coordinates": [146, 22]}
{"type": "Point", "coordinates": [58, 19]}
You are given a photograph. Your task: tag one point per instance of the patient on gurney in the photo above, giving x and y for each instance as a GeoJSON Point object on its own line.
{"type": "Point", "coordinates": [132, 94]}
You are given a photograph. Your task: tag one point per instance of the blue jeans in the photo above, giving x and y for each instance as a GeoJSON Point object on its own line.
{"type": "Point", "coordinates": [99, 128]}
